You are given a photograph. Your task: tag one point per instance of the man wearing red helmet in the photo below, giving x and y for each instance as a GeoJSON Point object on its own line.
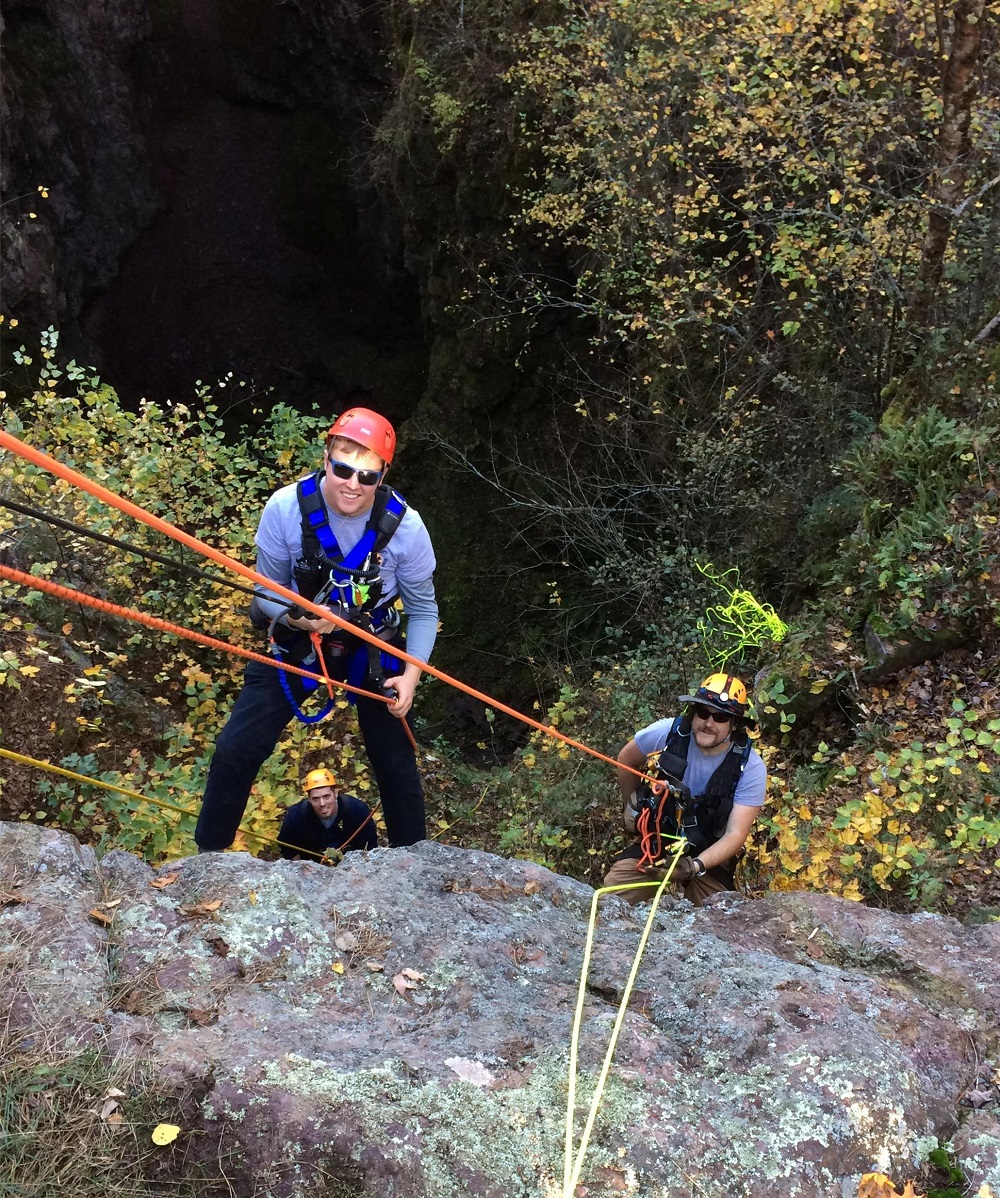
{"type": "Point", "coordinates": [716, 786]}
{"type": "Point", "coordinates": [345, 539]}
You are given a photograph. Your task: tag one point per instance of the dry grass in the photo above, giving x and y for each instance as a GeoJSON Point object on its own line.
{"type": "Point", "coordinates": [76, 1118]}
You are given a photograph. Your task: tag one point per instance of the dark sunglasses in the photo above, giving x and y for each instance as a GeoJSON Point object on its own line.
{"type": "Point", "coordinates": [367, 478]}
{"type": "Point", "coordinates": [708, 713]}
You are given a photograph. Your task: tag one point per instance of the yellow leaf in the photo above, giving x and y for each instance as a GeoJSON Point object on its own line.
{"type": "Point", "coordinates": [165, 1133]}
{"type": "Point", "coordinates": [31, 671]}
{"type": "Point", "coordinates": [836, 196]}
{"type": "Point", "coordinates": [252, 896]}
{"type": "Point", "coordinates": [337, 967]}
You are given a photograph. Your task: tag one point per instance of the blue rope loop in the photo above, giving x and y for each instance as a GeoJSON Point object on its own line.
{"type": "Point", "coordinates": [308, 684]}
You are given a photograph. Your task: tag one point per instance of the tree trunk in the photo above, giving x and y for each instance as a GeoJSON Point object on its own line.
{"type": "Point", "coordinates": [958, 87]}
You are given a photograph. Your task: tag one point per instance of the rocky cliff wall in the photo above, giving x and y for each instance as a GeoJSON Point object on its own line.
{"type": "Point", "coordinates": [401, 1025]}
{"type": "Point", "coordinates": [210, 203]}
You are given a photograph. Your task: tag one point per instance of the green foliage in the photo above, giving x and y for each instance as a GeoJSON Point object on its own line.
{"type": "Point", "coordinates": [899, 819]}
{"type": "Point", "coordinates": [955, 1183]}
{"type": "Point", "coordinates": [927, 540]}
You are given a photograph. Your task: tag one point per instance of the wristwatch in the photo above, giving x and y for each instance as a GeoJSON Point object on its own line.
{"type": "Point", "coordinates": [701, 867]}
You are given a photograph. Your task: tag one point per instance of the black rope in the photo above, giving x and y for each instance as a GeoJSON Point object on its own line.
{"type": "Point", "coordinates": [208, 575]}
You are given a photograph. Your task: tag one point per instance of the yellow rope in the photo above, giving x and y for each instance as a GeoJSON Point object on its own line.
{"type": "Point", "coordinates": [571, 1168]}
{"type": "Point", "coordinates": [742, 623]}
{"type": "Point", "coordinates": [134, 794]}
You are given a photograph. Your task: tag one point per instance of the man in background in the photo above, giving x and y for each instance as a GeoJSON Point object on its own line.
{"type": "Point", "coordinates": [326, 819]}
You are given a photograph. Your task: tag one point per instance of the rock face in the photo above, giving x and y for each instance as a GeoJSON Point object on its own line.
{"type": "Point", "coordinates": [402, 1023]}
{"type": "Point", "coordinates": [210, 205]}
{"type": "Point", "coordinates": [72, 126]}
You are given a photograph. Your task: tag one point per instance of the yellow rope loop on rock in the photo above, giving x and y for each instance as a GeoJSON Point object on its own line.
{"type": "Point", "coordinates": [742, 623]}
{"type": "Point", "coordinates": [573, 1168]}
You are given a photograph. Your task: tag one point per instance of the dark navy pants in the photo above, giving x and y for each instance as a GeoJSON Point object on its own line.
{"type": "Point", "coordinates": [258, 718]}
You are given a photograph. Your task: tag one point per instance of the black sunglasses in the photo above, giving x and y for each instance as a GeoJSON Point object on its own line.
{"type": "Point", "coordinates": [367, 478]}
{"type": "Point", "coordinates": [709, 713]}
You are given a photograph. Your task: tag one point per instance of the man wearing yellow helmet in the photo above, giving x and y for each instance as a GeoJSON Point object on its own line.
{"type": "Point", "coordinates": [326, 819]}
{"type": "Point", "coordinates": [716, 785]}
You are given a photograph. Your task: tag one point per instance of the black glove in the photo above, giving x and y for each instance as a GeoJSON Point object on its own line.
{"type": "Point", "coordinates": [687, 869]}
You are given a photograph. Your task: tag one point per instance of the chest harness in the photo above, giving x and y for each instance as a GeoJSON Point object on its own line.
{"type": "Point", "coordinates": [668, 810]}
{"type": "Point", "coordinates": [351, 585]}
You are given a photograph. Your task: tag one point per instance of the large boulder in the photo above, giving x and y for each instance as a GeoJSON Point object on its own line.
{"type": "Point", "coordinates": [403, 1022]}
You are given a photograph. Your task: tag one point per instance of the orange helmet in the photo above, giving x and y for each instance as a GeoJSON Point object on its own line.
{"type": "Point", "coordinates": [369, 429]}
{"type": "Point", "coordinates": [722, 692]}
{"type": "Point", "coordinates": [318, 778]}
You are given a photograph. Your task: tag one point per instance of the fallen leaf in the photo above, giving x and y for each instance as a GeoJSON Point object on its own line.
{"type": "Point", "coordinates": [374, 966]}
{"type": "Point", "coordinates": [134, 1002]}
{"type": "Point", "coordinates": [470, 1071]}
{"type": "Point", "coordinates": [111, 906]}
{"type": "Point", "coordinates": [102, 917]}
{"type": "Point", "coordinates": [347, 942]}
{"type": "Point", "coordinates": [109, 1108]}
{"type": "Point", "coordinates": [337, 967]}
{"type": "Point", "coordinates": [113, 1093]}
{"type": "Point", "coordinates": [217, 945]}
{"type": "Point", "coordinates": [412, 975]}
{"type": "Point", "coordinates": [403, 984]}
{"type": "Point", "coordinates": [11, 896]}
{"type": "Point", "coordinates": [165, 1133]}
{"type": "Point", "coordinates": [532, 887]}
{"type": "Point", "coordinates": [189, 910]}
{"type": "Point", "coordinates": [200, 1017]}
{"type": "Point", "coordinates": [160, 883]}
{"type": "Point", "coordinates": [116, 1118]}
{"type": "Point", "coordinates": [252, 896]}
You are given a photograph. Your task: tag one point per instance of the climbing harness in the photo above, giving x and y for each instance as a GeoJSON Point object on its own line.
{"type": "Point", "coordinates": [351, 586]}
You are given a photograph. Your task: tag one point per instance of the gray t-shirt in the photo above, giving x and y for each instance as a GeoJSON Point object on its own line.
{"type": "Point", "coordinates": [408, 561]}
{"type": "Point", "coordinates": [751, 789]}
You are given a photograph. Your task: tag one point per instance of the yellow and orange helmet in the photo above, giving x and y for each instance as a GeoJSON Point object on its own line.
{"type": "Point", "coordinates": [722, 692]}
{"type": "Point", "coordinates": [317, 778]}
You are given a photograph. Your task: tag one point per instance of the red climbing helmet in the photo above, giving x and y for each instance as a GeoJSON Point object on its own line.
{"type": "Point", "coordinates": [369, 429]}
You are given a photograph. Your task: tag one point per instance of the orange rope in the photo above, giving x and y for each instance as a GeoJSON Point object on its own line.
{"type": "Point", "coordinates": [128, 613]}
{"type": "Point", "coordinates": [45, 462]}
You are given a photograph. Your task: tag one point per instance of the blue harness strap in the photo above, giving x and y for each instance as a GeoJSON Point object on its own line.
{"type": "Point", "coordinates": [386, 518]}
